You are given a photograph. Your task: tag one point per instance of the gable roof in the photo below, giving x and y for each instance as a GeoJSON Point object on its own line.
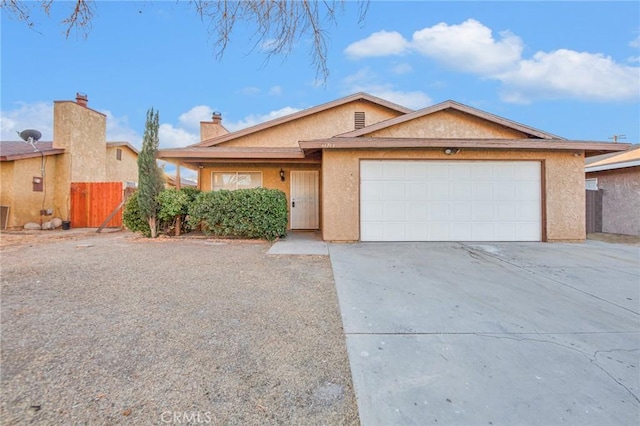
{"type": "Point", "coordinates": [14, 150]}
{"type": "Point", "coordinates": [617, 160]}
{"type": "Point", "coordinates": [361, 96]}
{"type": "Point", "coordinates": [533, 133]}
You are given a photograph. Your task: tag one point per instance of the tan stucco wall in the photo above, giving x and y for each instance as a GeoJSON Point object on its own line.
{"type": "Point", "coordinates": [563, 188]}
{"type": "Point", "coordinates": [620, 200]}
{"type": "Point", "coordinates": [270, 176]}
{"type": "Point", "coordinates": [324, 124]}
{"type": "Point", "coordinates": [17, 190]}
{"type": "Point", "coordinates": [82, 132]}
{"type": "Point", "coordinates": [210, 130]}
{"type": "Point", "coordinates": [448, 124]}
{"type": "Point", "coordinates": [124, 170]}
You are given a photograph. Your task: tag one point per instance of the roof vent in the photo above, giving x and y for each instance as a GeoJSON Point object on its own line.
{"type": "Point", "coordinates": [358, 118]}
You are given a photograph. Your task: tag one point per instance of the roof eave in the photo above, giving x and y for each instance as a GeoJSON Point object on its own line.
{"type": "Point", "coordinates": [612, 166]}
{"type": "Point", "coordinates": [589, 147]}
{"type": "Point", "coordinates": [34, 154]}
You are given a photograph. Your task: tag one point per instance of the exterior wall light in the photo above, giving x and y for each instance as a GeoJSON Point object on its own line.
{"type": "Point", "coordinates": [281, 174]}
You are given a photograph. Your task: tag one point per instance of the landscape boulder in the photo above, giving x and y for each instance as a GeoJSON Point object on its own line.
{"type": "Point", "coordinates": [32, 226]}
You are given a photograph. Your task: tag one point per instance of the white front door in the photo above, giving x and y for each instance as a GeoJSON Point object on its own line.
{"type": "Point", "coordinates": [304, 199]}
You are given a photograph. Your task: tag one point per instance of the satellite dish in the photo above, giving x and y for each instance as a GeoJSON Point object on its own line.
{"type": "Point", "coordinates": [30, 135]}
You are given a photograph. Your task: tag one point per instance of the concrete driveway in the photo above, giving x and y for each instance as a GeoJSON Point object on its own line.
{"type": "Point", "coordinates": [496, 333]}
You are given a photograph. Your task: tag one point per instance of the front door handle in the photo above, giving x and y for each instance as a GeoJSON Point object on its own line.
{"type": "Point", "coordinates": [293, 204]}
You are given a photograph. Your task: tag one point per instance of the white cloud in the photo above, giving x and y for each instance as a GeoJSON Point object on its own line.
{"type": "Point", "coordinates": [36, 115]}
{"type": "Point", "coordinates": [381, 43]}
{"type": "Point", "coordinates": [118, 130]}
{"type": "Point", "coordinates": [567, 73]}
{"type": "Point", "coordinates": [633, 59]}
{"type": "Point", "coordinates": [253, 119]}
{"type": "Point", "coordinates": [250, 91]}
{"type": "Point", "coordinates": [469, 47]}
{"type": "Point", "coordinates": [192, 118]}
{"type": "Point", "coordinates": [275, 91]}
{"type": "Point", "coordinates": [175, 137]}
{"type": "Point", "coordinates": [365, 80]}
{"type": "Point", "coordinates": [403, 68]}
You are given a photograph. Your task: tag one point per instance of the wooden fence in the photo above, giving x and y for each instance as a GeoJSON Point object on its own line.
{"type": "Point", "coordinates": [93, 202]}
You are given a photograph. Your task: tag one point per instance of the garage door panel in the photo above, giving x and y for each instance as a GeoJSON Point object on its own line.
{"type": "Point", "coordinates": [371, 171]}
{"type": "Point", "coordinates": [438, 191]}
{"type": "Point", "coordinates": [417, 191]}
{"type": "Point", "coordinates": [450, 200]}
{"type": "Point", "coordinates": [527, 171]}
{"type": "Point", "coordinates": [393, 191]}
{"type": "Point", "coordinates": [393, 171]}
{"type": "Point", "coordinates": [371, 231]}
{"type": "Point", "coordinates": [371, 191]}
{"type": "Point", "coordinates": [461, 212]}
{"type": "Point", "coordinates": [438, 172]}
{"type": "Point", "coordinates": [393, 230]}
{"type": "Point", "coordinates": [439, 212]}
{"type": "Point", "coordinates": [372, 212]}
{"type": "Point", "coordinates": [482, 212]}
{"type": "Point", "coordinates": [526, 190]}
{"type": "Point", "coordinates": [504, 191]}
{"type": "Point", "coordinates": [394, 212]}
{"type": "Point", "coordinates": [482, 192]}
{"type": "Point", "coordinates": [461, 191]}
{"type": "Point", "coordinates": [417, 212]}
{"type": "Point", "coordinates": [528, 212]}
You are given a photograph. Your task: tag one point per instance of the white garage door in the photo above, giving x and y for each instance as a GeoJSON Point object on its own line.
{"type": "Point", "coordinates": [450, 200]}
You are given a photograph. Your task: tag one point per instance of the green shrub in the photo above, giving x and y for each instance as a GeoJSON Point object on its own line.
{"type": "Point", "coordinates": [245, 213]}
{"type": "Point", "coordinates": [132, 216]}
{"type": "Point", "coordinates": [172, 203]}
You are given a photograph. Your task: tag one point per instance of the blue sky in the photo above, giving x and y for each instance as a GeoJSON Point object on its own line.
{"type": "Point", "coordinates": [568, 68]}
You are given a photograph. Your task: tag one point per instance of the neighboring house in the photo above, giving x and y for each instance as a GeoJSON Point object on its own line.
{"type": "Point", "coordinates": [170, 182]}
{"type": "Point", "coordinates": [362, 168]}
{"type": "Point", "coordinates": [613, 192]}
{"type": "Point", "coordinates": [38, 181]}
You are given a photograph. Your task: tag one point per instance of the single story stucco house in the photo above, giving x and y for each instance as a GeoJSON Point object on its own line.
{"type": "Point", "coordinates": [361, 168]}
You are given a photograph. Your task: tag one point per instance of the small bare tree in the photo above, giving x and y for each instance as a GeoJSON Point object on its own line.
{"type": "Point", "coordinates": [278, 24]}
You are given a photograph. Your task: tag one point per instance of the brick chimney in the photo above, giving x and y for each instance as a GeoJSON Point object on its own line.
{"type": "Point", "coordinates": [82, 99]}
{"type": "Point", "coordinates": [212, 129]}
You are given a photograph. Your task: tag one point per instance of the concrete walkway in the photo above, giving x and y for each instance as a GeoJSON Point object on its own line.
{"type": "Point", "coordinates": [300, 242]}
{"type": "Point", "coordinates": [496, 333]}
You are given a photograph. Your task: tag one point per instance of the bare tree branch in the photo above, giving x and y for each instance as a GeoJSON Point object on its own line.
{"type": "Point", "coordinates": [279, 24]}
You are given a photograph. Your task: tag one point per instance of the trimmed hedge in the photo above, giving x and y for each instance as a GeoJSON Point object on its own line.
{"type": "Point", "coordinates": [244, 213]}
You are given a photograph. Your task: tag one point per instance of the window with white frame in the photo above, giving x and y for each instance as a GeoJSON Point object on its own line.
{"type": "Point", "coordinates": [235, 180]}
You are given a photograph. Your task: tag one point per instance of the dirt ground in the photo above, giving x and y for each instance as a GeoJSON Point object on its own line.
{"type": "Point", "coordinates": [112, 328]}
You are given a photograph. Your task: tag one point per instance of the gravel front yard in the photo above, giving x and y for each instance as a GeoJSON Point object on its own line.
{"type": "Point", "coordinates": [116, 329]}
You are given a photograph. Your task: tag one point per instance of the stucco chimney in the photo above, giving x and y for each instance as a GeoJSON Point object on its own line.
{"type": "Point", "coordinates": [82, 99]}
{"type": "Point", "coordinates": [212, 129]}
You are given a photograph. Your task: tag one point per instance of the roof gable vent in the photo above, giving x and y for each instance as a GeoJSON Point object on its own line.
{"type": "Point", "coordinates": [358, 118]}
